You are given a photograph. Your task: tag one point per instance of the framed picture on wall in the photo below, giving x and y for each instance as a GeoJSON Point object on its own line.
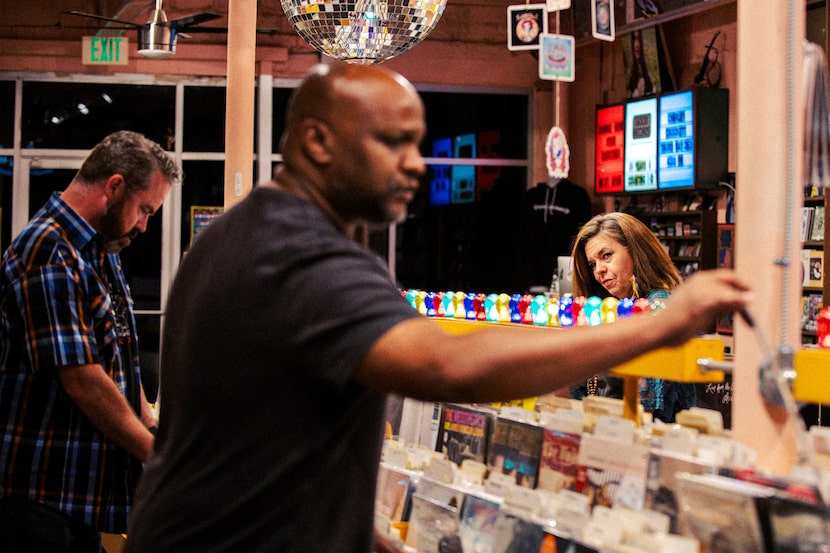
{"type": "Point", "coordinates": [602, 20]}
{"type": "Point", "coordinates": [556, 58]}
{"type": "Point", "coordinates": [526, 23]}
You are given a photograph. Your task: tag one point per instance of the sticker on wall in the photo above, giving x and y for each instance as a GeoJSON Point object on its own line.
{"type": "Point", "coordinates": [525, 24]}
{"type": "Point", "coordinates": [556, 59]}
{"type": "Point", "coordinates": [557, 154]}
{"type": "Point", "coordinates": [602, 20]}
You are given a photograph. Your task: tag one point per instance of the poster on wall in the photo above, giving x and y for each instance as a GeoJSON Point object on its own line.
{"type": "Point", "coordinates": [200, 217]}
{"type": "Point", "coordinates": [526, 23]}
{"type": "Point", "coordinates": [641, 63]}
{"type": "Point", "coordinates": [556, 59]}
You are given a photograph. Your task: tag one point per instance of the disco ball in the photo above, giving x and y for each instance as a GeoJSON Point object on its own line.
{"type": "Point", "coordinates": [363, 31]}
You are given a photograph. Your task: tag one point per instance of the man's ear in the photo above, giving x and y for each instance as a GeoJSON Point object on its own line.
{"type": "Point", "coordinates": [115, 187]}
{"type": "Point", "coordinates": [317, 140]}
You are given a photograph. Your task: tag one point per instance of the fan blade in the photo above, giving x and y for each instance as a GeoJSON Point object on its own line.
{"type": "Point", "coordinates": [206, 30]}
{"type": "Point", "coordinates": [194, 19]}
{"type": "Point", "coordinates": [102, 18]}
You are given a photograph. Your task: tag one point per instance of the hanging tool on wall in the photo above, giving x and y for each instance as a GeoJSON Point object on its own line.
{"type": "Point", "coordinates": [710, 71]}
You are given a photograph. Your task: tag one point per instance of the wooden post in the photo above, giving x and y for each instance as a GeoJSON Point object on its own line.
{"type": "Point", "coordinates": [769, 178]}
{"type": "Point", "coordinates": [239, 109]}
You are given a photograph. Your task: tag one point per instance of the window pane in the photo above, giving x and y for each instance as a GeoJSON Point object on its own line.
{"type": "Point", "coordinates": [203, 186]}
{"type": "Point", "coordinates": [204, 118]}
{"type": "Point", "coordinates": [462, 246]}
{"type": "Point", "coordinates": [42, 182]}
{"type": "Point", "coordinates": [6, 141]}
{"type": "Point", "coordinates": [6, 114]}
{"type": "Point", "coordinates": [79, 115]}
{"type": "Point", "coordinates": [453, 114]}
{"type": "Point", "coordinates": [5, 210]}
{"type": "Point", "coordinates": [461, 229]}
{"type": "Point", "coordinates": [142, 265]}
{"type": "Point", "coordinates": [280, 100]}
{"type": "Point", "coordinates": [148, 329]}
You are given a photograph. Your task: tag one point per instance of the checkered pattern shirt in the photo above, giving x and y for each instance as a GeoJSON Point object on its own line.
{"type": "Point", "coordinates": [55, 311]}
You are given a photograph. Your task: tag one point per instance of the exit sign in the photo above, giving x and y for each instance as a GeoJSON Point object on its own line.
{"type": "Point", "coordinates": [105, 50]}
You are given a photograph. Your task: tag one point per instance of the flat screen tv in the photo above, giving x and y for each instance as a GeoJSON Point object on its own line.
{"type": "Point", "coordinates": [694, 139]}
{"type": "Point", "coordinates": [610, 130]}
{"type": "Point", "coordinates": [676, 145]}
{"type": "Point", "coordinates": [672, 141]}
{"type": "Point", "coordinates": [640, 153]}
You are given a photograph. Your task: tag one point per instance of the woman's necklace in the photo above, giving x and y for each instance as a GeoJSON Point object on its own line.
{"type": "Point", "coordinates": [592, 385]}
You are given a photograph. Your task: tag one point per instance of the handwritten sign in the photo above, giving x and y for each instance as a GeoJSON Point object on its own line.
{"type": "Point", "coordinates": [717, 396]}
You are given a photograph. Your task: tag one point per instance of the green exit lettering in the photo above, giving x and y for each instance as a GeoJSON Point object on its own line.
{"type": "Point", "coordinates": [105, 50]}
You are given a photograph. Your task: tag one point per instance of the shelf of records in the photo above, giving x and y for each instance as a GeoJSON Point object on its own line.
{"type": "Point", "coordinates": [812, 220]}
{"type": "Point", "coordinates": [811, 306]}
{"type": "Point", "coordinates": [575, 476]}
{"type": "Point", "coordinates": [812, 265]}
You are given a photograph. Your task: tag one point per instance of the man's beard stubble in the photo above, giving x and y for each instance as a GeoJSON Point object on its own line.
{"type": "Point", "coordinates": [115, 246]}
{"type": "Point", "coordinates": [111, 229]}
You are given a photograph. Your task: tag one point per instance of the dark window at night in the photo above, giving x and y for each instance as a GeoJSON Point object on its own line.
{"type": "Point", "coordinates": [6, 141]}
{"type": "Point", "coordinates": [280, 100]}
{"type": "Point", "coordinates": [204, 119]}
{"type": "Point", "coordinates": [6, 114]}
{"type": "Point", "coordinates": [462, 226]}
{"type": "Point", "coordinates": [453, 114]}
{"type": "Point", "coordinates": [203, 186]}
{"type": "Point", "coordinates": [79, 115]}
{"type": "Point", "coordinates": [5, 210]}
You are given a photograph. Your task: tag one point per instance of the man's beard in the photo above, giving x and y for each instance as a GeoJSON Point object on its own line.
{"type": "Point", "coordinates": [111, 229]}
{"type": "Point", "coordinates": [115, 246]}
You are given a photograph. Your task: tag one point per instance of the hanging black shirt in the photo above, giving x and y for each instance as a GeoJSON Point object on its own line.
{"type": "Point", "coordinates": [551, 217]}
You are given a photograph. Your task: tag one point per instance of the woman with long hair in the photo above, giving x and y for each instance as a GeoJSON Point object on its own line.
{"type": "Point", "coordinates": [616, 255]}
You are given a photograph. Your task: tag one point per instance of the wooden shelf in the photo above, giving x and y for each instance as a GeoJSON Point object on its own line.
{"type": "Point", "coordinates": [677, 13]}
{"type": "Point", "coordinates": [706, 230]}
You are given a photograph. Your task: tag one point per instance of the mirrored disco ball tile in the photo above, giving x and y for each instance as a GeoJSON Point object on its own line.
{"type": "Point", "coordinates": [366, 31]}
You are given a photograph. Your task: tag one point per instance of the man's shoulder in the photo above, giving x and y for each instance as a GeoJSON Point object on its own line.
{"type": "Point", "coordinates": [43, 242]}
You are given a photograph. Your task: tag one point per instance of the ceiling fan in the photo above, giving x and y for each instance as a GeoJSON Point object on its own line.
{"type": "Point", "coordinates": [157, 37]}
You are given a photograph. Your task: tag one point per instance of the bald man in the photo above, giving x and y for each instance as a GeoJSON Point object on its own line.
{"type": "Point", "coordinates": [283, 337]}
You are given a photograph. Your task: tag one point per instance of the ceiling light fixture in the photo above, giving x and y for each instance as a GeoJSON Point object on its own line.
{"type": "Point", "coordinates": [157, 39]}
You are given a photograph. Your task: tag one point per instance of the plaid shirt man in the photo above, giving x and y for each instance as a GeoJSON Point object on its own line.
{"type": "Point", "coordinates": [55, 311]}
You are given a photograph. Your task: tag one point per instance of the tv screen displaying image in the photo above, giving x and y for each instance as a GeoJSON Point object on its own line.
{"type": "Point", "coordinates": [641, 145]}
{"type": "Point", "coordinates": [610, 138]}
{"type": "Point", "coordinates": [671, 141]}
{"type": "Point", "coordinates": [676, 146]}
